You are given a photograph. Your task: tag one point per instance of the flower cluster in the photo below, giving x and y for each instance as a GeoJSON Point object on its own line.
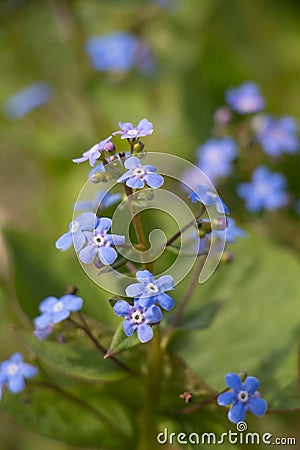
{"type": "Point", "coordinates": [53, 311]}
{"type": "Point", "coordinates": [13, 373]}
{"type": "Point", "coordinates": [242, 397]}
{"type": "Point", "coordinates": [149, 295]}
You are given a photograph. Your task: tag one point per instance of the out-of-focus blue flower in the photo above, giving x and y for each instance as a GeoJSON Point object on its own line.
{"type": "Point", "coordinates": [265, 191]}
{"type": "Point", "coordinates": [13, 373]}
{"type": "Point", "coordinates": [208, 197]}
{"type": "Point", "coordinates": [150, 291]}
{"type": "Point", "coordinates": [245, 99]}
{"type": "Point", "coordinates": [215, 157]}
{"type": "Point", "coordinates": [113, 52]}
{"type": "Point", "coordinates": [297, 206]}
{"type": "Point", "coordinates": [243, 397]}
{"type": "Point", "coordinates": [96, 151]}
{"type": "Point", "coordinates": [138, 175]}
{"type": "Point", "coordinates": [102, 200]}
{"type": "Point", "coordinates": [29, 98]}
{"type": "Point", "coordinates": [100, 243]}
{"type": "Point", "coordinates": [138, 318]}
{"type": "Point", "coordinates": [276, 136]}
{"type": "Point", "coordinates": [55, 310]}
{"type": "Point", "coordinates": [84, 222]}
{"type": "Point", "coordinates": [128, 131]}
{"type": "Point", "coordinates": [231, 232]}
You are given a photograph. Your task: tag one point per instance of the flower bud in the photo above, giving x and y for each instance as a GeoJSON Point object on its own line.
{"type": "Point", "coordinates": [138, 147]}
{"type": "Point", "coordinates": [222, 116]}
{"type": "Point", "coordinates": [109, 147]}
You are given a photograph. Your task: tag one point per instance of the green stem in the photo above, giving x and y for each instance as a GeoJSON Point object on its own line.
{"type": "Point", "coordinates": [186, 227]}
{"type": "Point", "coordinates": [184, 302]}
{"type": "Point", "coordinates": [148, 422]}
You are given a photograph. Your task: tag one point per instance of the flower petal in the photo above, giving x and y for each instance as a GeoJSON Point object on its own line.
{"type": "Point", "coordinates": [145, 276]}
{"type": "Point", "coordinates": [43, 321]}
{"type": "Point", "coordinates": [128, 327]}
{"type": "Point", "coordinates": [27, 370]}
{"type": "Point", "coordinates": [165, 301]}
{"type": "Point", "coordinates": [16, 383]}
{"type": "Point", "coordinates": [132, 162]}
{"type": "Point", "coordinates": [124, 177]}
{"type": "Point", "coordinates": [107, 255]}
{"type": "Point", "coordinates": [134, 290]}
{"type": "Point", "coordinates": [115, 239]}
{"type": "Point", "coordinates": [47, 304]}
{"type": "Point", "coordinates": [72, 302]}
{"type": "Point", "coordinates": [251, 385]}
{"type": "Point", "coordinates": [154, 180]}
{"type": "Point", "coordinates": [147, 302]}
{"type": "Point", "coordinates": [122, 308]}
{"type": "Point", "coordinates": [79, 240]}
{"type": "Point", "coordinates": [87, 254]}
{"type": "Point", "coordinates": [257, 406]}
{"type": "Point", "coordinates": [233, 381]}
{"type": "Point", "coordinates": [153, 314]}
{"type": "Point", "coordinates": [104, 224]}
{"type": "Point", "coordinates": [135, 182]}
{"type": "Point", "coordinates": [165, 283]}
{"type": "Point", "coordinates": [60, 316]}
{"type": "Point", "coordinates": [237, 413]}
{"type": "Point", "coordinates": [64, 242]}
{"type": "Point", "coordinates": [226, 398]}
{"type": "Point", "coordinates": [144, 332]}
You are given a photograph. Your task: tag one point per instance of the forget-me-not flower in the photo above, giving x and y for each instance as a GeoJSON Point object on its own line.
{"type": "Point", "coordinates": [138, 318]}
{"type": "Point", "coordinates": [55, 310]}
{"type": "Point", "coordinates": [115, 52]}
{"type": "Point", "coordinates": [266, 190]}
{"type": "Point", "coordinates": [138, 175]}
{"type": "Point", "coordinates": [96, 151]}
{"type": "Point", "coordinates": [29, 98]}
{"type": "Point", "coordinates": [276, 136]}
{"type": "Point", "coordinates": [77, 227]}
{"type": "Point", "coordinates": [100, 243]}
{"type": "Point", "coordinates": [128, 131]}
{"type": "Point", "coordinates": [103, 200]}
{"type": "Point", "coordinates": [215, 157]}
{"type": "Point", "coordinates": [243, 397]}
{"type": "Point", "coordinates": [208, 197]}
{"type": "Point", "coordinates": [150, 291]}
{"type": "Point", "coordinates": [245, 99]}
{"type": "Point", "coordinates": [14, 371]}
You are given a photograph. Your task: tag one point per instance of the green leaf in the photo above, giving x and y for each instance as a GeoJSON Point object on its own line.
{"type": "Point", "coordinates": [201, 318]}
{"type": "Point", "coordinates": [74, 359]}
{"type": "Point", "coordinates": [85, 417]}
{"type": "Point", "coordinates": [120, 342]}
{"type": "Point", "coordinates": [258, 328]}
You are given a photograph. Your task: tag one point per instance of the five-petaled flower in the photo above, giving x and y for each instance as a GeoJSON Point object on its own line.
{"type": "Point", "coordinates": [100, 243]}
{"type": "Point", "coordinates": [13, 373]}
{"type": "Point", "coordinates": [77, 227]}
{"type": "Point", "coordinates": [245, 99]}
{"type": "Point", "coordinates": [138, 318]}
{"type": "Point", "coordinates": [128, 131]}
{"type": "Point", "coordinates": [265, 190]}
{"type": "Point", "coordinates": [96, 151]}
{"type": "Point", "coordinates": [150, 291]}
{"type": "Point", "coordinates": [55, 310]}
{"type": "Point", "coordinates": [138, 175]}
{"type": "Point", "coordinates": [243, 397]}
{"type": "Point", "coordinates": [208, 197]}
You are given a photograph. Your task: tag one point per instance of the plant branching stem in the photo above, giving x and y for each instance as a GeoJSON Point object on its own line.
{"type": "Point", "coordinates": [186, 227]}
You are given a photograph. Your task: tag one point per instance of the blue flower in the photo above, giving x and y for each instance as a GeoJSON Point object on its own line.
{"type": "Point", "coordinates": [265, 191]}
{"type": "Point", "coordinates": [128, 131]}
{"type": "Point", "coordinates": [138, 175]}
{"type": "Point", "coordinates": [150, 291]}
{"type": "Point", "coordinates": [100, 243]}
{"type": "Point", "coordinates": [215, 157]}
{"type": "Point", "coordinates": [14, 371]}
{"type": "Point", "coordinates": [96, 151]}
{"type": "Point", "coordinates": [138, 318]}
{"type": "Point", "coordinates": [243, 397]}
{"type": "Point", "coordinates": [113, 52]}
{"type": "Point", "coordinates": [29, 98]}
{"type": "Point", "coordinates": [231, 232]}
{"type": "Point", "coordinates": [208, 197]}
{"type": "Point", "coordinates": [102, 200]}
{"type": "Point", "coordinates": [245, 99]}
{"type": "Point", "coordinates": [77, 227]}
{"type": "Point", "coordinates": [55, 310]}
{"type": "Point", "coordinates": [276, 136]}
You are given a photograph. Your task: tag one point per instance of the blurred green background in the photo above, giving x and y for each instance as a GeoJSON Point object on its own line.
{"type": "Point", "coordinates": [200, 48]}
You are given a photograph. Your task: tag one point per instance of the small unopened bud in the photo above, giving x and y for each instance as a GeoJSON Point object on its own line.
{"type": "Point", "coordinates": [72, 290]}
{"type": "Point", "coordinates": [219, 223]}
{"type": "Point", "coordinates": [121, 154]}
{"type": "Point", "coordinates": [243, 375]}
{"type": "Point", "coordinates": [222, 115]}
{"type": "Point", "coordinates": [109, 147]}
{"type": "Point", "coordinates": [138, 147]}
{"type": "Point", "coordinates": [112, 158]}
{"type": "Point", "coordinates": [227, 257]}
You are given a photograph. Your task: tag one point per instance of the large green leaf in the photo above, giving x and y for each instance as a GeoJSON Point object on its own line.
{"type": "Point", "coordinates": [258, 328]}
{"type": "Point", "coordinates": [120, 342]}
{"type": "Point", "coordinates": [75, 360]}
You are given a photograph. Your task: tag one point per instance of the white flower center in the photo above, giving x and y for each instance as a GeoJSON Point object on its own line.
{"type": "Point", "coordinates": [243, 396]}
{"type": "Point", "coordinates": [132, 133]}
{"type": "Point", "coordinates": [137, 317]}
{"type": "Point", "coordinates": [99, 240]}
{"type": "Point", "coordinates": [212, 194]}
{"type": "Point", "coordinates": [262, 189]}
{"type": "Point", "coordinates": [139, 172]}
{"type": "Point", "coordinates": [247, 103]}
{"type": "Point", "coordinates": [74, 227]}
{"type": "Point", "coordinates": [152, 288]}
{"type": "Point", "coordinates": [12, 370]}
{"type": "Point", "coordinates": [58, 307]}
